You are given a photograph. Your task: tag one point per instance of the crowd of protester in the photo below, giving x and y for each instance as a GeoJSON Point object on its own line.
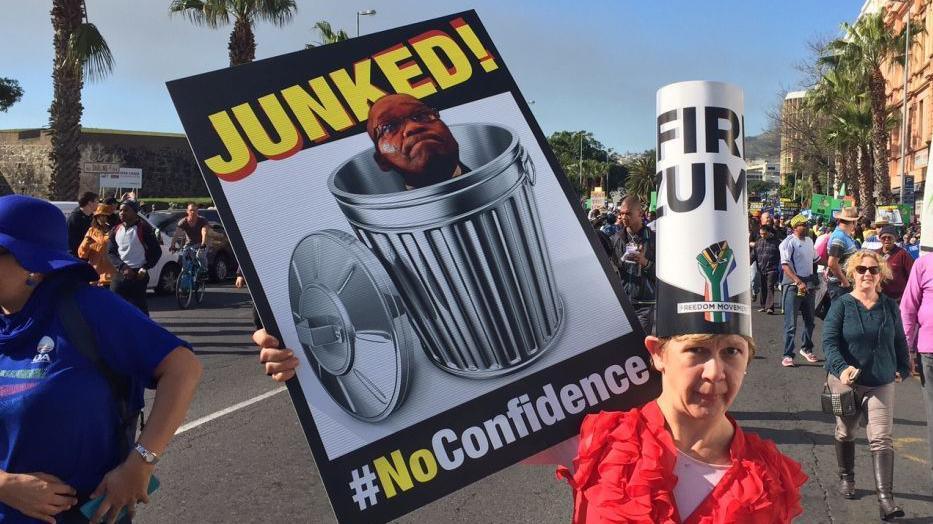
{"type": "Point", "coordinates": [865, 279]}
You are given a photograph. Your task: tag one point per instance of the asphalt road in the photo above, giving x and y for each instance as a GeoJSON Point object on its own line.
{"type": "Point", "coordinates": [253, 464]}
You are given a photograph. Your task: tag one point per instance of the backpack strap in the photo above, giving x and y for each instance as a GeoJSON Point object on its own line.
{"type": "Point", "coordinates": [81, 336]}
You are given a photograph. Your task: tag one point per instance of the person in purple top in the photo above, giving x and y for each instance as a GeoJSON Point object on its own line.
{"type": "Point", "coordinates": [917, 316]}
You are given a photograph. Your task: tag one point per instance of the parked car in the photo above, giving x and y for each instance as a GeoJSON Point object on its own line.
{"type": "Point", "coordinates": [220, 259]}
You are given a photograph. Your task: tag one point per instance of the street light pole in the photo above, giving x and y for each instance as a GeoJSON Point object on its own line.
{"type": "Point", "coordinates": [904, 136]}
{"type": "Point", "coordinates": [580, 165]}
{"type": "Point", "coordinates": [365, 12]}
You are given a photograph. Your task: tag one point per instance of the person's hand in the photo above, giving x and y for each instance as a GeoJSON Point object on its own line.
{"type": "Point", "coordinates": [849, 375]}
{"type": "Point", "coordinates": [898, 378]}
{"type": "Point", "coordinates": [802, 286]}
{"type": "Point", "coordinates": [913, 363]}
{"type": "Point", "coordinates": [142, 272]}
{"type": "Point", "coordinates": [240, 282]}
{"type": "Point", "coordinates": [37, 495]}
{"type": "Point", "coordinates": [123, 486]}
{"type": "Point", "coordinates": [279, 363]}
{"type": "Point", "coordinates": [128, 273]}
{"type": "Point", "coordinates": [641, 259]}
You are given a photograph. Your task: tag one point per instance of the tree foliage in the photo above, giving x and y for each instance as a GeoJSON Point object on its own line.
{"type": "Point", "coordinates": [328, 34]}
{"type": "Point", "coordinates": [10, 93]}
{"type": "Point", "coordinates": [81, 53]}
{"type": "Point", "coordinates": [243, 14]}
{"type": "Point", "coordinates": [850, 96]}
{"type": "Point", "coordinates": [642, 178]}
{"type": "Point", "coordinates": [596, 166]}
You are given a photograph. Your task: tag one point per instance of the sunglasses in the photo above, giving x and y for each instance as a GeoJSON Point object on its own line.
{"type": "Point", "coordinates": [874, 270]}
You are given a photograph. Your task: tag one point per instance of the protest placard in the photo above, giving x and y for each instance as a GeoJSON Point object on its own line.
{"type": "Point", "coordinates": [404, 227]}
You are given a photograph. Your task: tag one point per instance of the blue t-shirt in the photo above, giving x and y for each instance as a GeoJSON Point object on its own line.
{"type": "Point", "coordinates": [57, 413]}
{"type": "Point", "coordinates": [841, 246]}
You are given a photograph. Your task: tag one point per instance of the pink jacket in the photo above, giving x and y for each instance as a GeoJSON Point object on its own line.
{"type": "Point", "coordinates": [917, 306]}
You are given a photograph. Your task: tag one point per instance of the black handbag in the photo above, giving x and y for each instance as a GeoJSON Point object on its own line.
{"type": "Point", "coordinates": [839, 404]}
{"type": "Point", "coordinates": [822, 309]}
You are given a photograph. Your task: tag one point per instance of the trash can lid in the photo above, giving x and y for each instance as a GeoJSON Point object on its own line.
{"type": "Point", "coordinates": [351, 323]}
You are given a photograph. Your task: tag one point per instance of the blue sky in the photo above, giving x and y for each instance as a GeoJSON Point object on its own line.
{"type": "Point", "coordinates": [586, 64]}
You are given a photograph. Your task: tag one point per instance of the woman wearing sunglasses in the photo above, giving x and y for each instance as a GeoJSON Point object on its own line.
{"type": "Point", "coordinates": [866, 350]}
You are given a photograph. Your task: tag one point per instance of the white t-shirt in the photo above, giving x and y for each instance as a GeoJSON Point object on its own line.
{"type": "Point", "coordinates": [695, 481]}
{"type": "Point", "coordinates": [799, 254]}
{"type": "Point", "coordinates": [131, 250]}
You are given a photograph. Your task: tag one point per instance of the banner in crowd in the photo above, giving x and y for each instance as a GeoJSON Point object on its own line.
{"type": "Point", "coordinates": [403, 225]}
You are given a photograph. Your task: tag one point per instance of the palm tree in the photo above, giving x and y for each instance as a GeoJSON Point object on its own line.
{"type": "Point", "coordinates": [80, 52]}
{"type": "Point", "coordinates": [869, 45]}
{"type": "Point", "coordinates": [642, 175]}
{"type": "Point", "coordinates": [328, 35]}
{"type": "Point", "coordinates": [217, 13]}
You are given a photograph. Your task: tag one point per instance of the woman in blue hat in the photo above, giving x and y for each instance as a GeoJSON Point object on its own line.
{"type": "Point", "coordinates": [74, 360]}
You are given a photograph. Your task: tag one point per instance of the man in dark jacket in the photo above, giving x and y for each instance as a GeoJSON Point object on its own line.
{"type": "Point", "coordinates": [79, 221]}
{"type": "Point", "coordinates": [898, 259]}
{"type": "Point", "coordinates": [133, 251]}
{"type": "Point", "coordinates": [767, 255]}
{"type": "Point", "coordinates": [633, 251]}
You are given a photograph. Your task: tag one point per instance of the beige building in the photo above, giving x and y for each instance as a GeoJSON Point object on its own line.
{"type": "Point", "coordinates": [790, 109]}
{"type": "Point", "coordinates": [919, 93]}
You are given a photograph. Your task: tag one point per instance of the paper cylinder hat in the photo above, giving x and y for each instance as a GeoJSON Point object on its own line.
{"type": "Point", "coordinates": [702, 229]}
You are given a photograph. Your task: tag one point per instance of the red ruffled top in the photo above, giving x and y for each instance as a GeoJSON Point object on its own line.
{"type": "Point", "coordinates": [625, 473]}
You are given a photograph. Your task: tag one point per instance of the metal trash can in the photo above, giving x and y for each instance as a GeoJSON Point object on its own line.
{"type": "Point", "coordinates": [468, 255]}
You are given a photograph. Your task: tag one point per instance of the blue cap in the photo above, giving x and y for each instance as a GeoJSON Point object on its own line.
{"type": "Point", "coordinates": [34, 231]}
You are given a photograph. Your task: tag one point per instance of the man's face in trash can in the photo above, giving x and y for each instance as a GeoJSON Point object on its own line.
{"type": "Point", "coordinates": [411, 138]}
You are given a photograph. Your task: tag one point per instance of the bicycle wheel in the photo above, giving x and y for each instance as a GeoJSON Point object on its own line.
{"type": "Point", "coordinates": [201, 288]}
{"type": "Point", "coordinates": [184, 289]}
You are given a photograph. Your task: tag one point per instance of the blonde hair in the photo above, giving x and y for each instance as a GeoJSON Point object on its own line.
{"type": "Point", "coordinates": [703, 337]}
{"type": "Point", "coordinates": [856, 258]}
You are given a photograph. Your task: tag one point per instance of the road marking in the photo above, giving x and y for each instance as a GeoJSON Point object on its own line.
{"type": "Point", "coordinates": [913, 458]}
{"type": "Point", "coordinates": [226, 411]}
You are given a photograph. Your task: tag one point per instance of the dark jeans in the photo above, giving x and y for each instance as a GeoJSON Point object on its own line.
{"type": "Point", "coordinates": [792, 305]}
{"type": "Point", "coordinates": [926, 361]}
{"type": "Point", "coordinates": [133, 290]}
{"type": "Point", "coordinates": [769, 282]}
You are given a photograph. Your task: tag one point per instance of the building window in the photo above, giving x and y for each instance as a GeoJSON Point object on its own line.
{"type": "Point", "coordinates": [921, 133]}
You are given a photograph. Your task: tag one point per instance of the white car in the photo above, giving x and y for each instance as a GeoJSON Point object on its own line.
{"type": "Point", "coordinates": [164, 275]}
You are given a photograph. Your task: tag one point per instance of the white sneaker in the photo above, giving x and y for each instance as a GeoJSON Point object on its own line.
{"type": "Point", "coordinates": [811, 358]}
{"type": "Point", "coordinates": [788, 362]}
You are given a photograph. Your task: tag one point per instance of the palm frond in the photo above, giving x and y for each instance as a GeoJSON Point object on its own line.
{"type": "Point", "coordinates": [89, 53]}
{"type": "Point", "coordinates": [279, 12]}
{"type": "Point", "coordinates": [211, 13]}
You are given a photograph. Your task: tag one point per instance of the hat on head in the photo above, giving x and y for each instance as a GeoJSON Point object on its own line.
{"type": "Point", "coordinates": [103, 209]}
{"type": "Point", "coordinates": [131, 203]}
{"type": "Point", "coordinates": [848, 214]}
{"type": "Point", "coordinates": [34, 231]}
{"type": "Point", "coordinates": [888, 230]}
{"type": "Point", "coordinates": [799, 220]}
{"type": "Point", "coordinates": [702, 267]}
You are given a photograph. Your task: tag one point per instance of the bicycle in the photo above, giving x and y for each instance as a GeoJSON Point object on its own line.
{"type": "Point", "coordinates": [192, 278]}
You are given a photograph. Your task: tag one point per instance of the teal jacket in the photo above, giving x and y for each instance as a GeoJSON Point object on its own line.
{"type": "Point", "coordinates": [872, 340]}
